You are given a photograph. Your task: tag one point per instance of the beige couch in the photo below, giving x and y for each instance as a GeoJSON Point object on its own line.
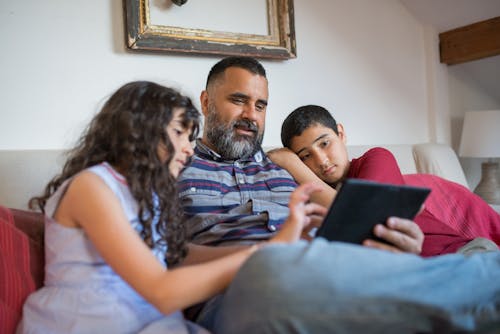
{"type": "Point", "coordinates": [25, 173]}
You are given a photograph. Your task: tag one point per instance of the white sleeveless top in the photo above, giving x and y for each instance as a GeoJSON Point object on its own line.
{"type": "Point", "coordinates": [81, 293]}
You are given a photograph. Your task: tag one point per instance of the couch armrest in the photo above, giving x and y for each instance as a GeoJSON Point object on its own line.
{"type": "Point", "coordinates": [440, 160]}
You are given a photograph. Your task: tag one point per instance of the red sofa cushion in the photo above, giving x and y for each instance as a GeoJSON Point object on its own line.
{"type": "Point", "coordinates": [21, 262]}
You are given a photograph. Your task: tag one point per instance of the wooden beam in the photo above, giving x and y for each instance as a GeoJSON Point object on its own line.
{"type": "Point", "coordinates": [475, 41]}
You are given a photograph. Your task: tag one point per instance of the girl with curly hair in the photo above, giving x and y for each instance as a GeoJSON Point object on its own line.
{"type": "Point", "coordinates": [114, 224]}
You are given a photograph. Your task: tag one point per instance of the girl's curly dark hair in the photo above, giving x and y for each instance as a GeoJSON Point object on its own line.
{"type": "Point", "coordinates": [126, 133]}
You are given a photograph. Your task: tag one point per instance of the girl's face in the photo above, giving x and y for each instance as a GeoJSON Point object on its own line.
{"type": "Point", "coordinates": [179, 137]}
{"type": "Point", "coordinates": [323, 151]}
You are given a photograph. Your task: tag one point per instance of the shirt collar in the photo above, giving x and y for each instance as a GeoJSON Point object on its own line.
{"type": "Point", "coordinates": [205, 152]}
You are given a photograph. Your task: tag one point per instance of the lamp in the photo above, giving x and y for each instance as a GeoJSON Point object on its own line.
{"type": "Point", "coordinates": [481, 139]}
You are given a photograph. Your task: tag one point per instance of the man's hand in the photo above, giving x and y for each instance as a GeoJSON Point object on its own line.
{"type": "Point", "coordinates": [403, 235]}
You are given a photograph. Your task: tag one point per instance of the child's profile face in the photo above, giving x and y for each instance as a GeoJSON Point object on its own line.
{"type": "Point", "coordinates": [323, 151]}
{"type": "Point", "coordinates": [179, 137]}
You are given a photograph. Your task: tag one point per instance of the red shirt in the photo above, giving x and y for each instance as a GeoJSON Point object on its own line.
{"type": "Point", "coordinates": [452, 216]}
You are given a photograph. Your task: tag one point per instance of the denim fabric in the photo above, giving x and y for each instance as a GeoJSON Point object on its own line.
{"type": "Point", "coordinates": [208, 313]}
{"type": "Point", "coordinates": [326, 287]}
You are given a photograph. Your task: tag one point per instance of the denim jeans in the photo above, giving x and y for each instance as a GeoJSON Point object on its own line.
{"type": "Point", "coordinates": [324, 287]}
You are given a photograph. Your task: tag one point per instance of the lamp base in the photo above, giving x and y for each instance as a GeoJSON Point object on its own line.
{"type": "Point", "coordinates": [488, 188]}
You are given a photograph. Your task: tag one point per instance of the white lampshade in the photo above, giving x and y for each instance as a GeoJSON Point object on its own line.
{"type": "Point", "coordinates": [481, 134]}
{"type": "Point", "coordinates": [481, 139]}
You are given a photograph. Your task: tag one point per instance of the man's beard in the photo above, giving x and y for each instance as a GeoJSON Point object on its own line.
{"type": "Point", "coordinates": [229, 144]}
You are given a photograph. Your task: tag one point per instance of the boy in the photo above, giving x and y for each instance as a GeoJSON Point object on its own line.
{"type": "Point", "coordinates": [453, 216]}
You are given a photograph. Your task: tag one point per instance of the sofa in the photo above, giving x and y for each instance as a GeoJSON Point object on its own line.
{"type": "Point", "coordinates": [25, 173]}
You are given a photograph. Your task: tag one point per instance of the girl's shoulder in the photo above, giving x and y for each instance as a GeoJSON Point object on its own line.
{"type": "Point", "coordinates": [105, 173]}
{"type": "Point", "coordinates": [111, 177]}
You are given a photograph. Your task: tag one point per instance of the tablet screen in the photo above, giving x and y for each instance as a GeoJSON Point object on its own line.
{"type": "Point", "coordinates": [360, 204]}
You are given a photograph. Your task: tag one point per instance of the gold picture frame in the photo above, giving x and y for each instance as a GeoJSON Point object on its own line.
{"type": "Point", "coordinates": [143, 35]}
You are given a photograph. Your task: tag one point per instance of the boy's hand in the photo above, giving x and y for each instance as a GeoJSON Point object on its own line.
{"type": "Point", "coordinates": [403, 235]}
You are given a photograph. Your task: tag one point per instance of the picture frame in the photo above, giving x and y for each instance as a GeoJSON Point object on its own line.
{"type": "Point", "coordinates": [143, 35]}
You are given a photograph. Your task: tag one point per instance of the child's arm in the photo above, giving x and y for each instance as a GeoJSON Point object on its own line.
{"type": "Point", "coordinates": [290, 161]}
{"type": "Point", "coordinates": [91, 205]}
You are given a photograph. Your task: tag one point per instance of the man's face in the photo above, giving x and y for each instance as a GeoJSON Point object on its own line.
{"type": "Point", "coordinates": [323, 151]}
{"type": "Point", "coordinates": [235, 110]}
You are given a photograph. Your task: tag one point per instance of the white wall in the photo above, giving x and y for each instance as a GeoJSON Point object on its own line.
{"type": "Point", "coordinates": [362, 59]}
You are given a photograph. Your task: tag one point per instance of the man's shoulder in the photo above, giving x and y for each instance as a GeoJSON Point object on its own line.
{"type": "Point", "coordinates": [201, 164]}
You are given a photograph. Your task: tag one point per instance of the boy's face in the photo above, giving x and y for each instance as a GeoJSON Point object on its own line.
{"type": "Point", "coordinates": [323, 151]}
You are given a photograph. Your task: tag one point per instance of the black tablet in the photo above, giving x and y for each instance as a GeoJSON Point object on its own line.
{"type": "Point", "coordinates": [360, 204]}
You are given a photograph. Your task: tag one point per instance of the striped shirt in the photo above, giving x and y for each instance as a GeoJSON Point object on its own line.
{"type": "Point", "coordinates": [233, 202]}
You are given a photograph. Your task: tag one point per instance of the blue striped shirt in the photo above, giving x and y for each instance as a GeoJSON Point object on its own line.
{"type": "Point", "coordinates": [233, 202]}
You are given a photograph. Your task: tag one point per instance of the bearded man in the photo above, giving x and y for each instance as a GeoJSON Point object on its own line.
{"type": "Point", "coordinates": [233, 195]}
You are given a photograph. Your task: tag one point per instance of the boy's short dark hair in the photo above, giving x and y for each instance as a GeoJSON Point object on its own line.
{"type": "Point", "coordinates": [247, 63]}
{"type": "Point", "coordinates": [304, 117]}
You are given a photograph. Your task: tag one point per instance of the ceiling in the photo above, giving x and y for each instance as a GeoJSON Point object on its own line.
{"type": "Point", "coordinates": [445, 15]}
